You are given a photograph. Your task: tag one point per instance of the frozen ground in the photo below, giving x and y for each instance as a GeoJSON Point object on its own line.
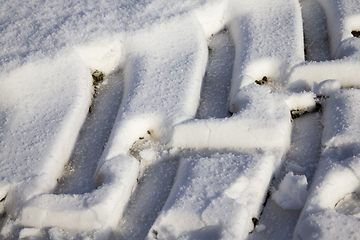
{"type": "Point", "coordinates": [180, 119]}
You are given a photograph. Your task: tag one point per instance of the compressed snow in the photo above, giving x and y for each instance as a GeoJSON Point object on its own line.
{"type": "Point", "coordinates": [214, 101]}
{"type": "Point", "coordinates": [341, 119]}
{"type": "Point", "coordinates": [215, 196]}
{"type": "Point", "coordinates": [165, 62]}
{"type": "Point", "coordinates": [349, 205]}
{"type": "Point", "coordinates": [301, 101]}
{"type": "Point", "coordinates": [305, 150]}
{"type": "Point", "coordinates": [61, 234]}
{"type": "Point", "coordinates": [264, 122]}
{"type": "Point", "coordinates": [302, 159]}
{"type": "Point", "coordinates": [265, 46]}
{"type": "Point", "coordinates": [49, 50]}
{"type": "Point", "coordinates": [292, 192]}
{"type": "Point", "coordinates": [315, 31]}
{"type": "Point", "coordinates": [319, 220]}
{"type": "Point", "coordinates": [337, 174]}
{"type": "Point", "coordinates": [293, 167]}
{"type": "Point", "coordinates": [29, 233]}
{"type": "Point", "coordinates": [342, 18]}
{"type": "Point", "coordinates": [88, 211]}
{"type": "Point", "coordinates": [160, 70]}
{"type": "Point", "coordinates": [326, 88]}
{"type": "Point", "coordinates": [42, 105]}
{"type": "Point", "coordinates": [329, 225]}
{"type": "Point", "coordinates": [147, 199]}
{"type": "Point", "coordinates": [104, 55]}
{"type": "Point", "coordinates": [342, 70]}
{"type": "Point", "coordinates": [165, 59]}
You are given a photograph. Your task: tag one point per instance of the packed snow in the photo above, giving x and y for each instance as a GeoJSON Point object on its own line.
{"type": "Point", "coordinates": [180, 119]}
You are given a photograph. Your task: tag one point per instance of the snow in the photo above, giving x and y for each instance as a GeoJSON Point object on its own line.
{"type": "Point", "coordinates": [349, 205]}
{"type": "Point", "coordinates": [342, 18]}
{"type": "Point", "coordinates": [29, 232]}
{"type": "Point", "coordinates": [315, 31]}
{"type": "Point", "coordinates": [301, 159]}
{"type": "Point", "coordinates": [212, 122]}
{"type": "Point", "coordinates": [38, 134]}
{"type": "Point", "coordinates": [341, 119]}
{"type": "Point", "coordinates": [292, 192]}
{"type": "Point", "coordinates": [104, 55]}
{"type": "Point", "coordinates": [337, 174]}
{"type": "Point", "coordinates": [216, 83]}
{"type": "Point", "coordinates": [264, 46]}
{"type": "Point", "coordinates": [326, 88]}
{"type": "Point", "coordinates": [261, 124]}
{"type": "Point", "coordinates": [222, 201]}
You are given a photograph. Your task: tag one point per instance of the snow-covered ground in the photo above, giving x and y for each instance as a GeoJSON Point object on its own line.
{"type": "Point", "coordinates": [180, 119]}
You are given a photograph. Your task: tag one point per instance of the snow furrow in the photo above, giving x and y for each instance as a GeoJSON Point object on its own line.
{"type": "Point", "coordinates": [38, 141]}
{"type": "Point", "coordinates": [337, 174]}
{"type": "Point", "coordinates": [176, 72]}
{"type": "Point", "coordinates": [343, 17]}
{"type": "Point", "coordinates": [221, 203]}
{"type": "Point", "coordinates": [213, 121]}
{"type": "Point", "coordinates": [265, 46]}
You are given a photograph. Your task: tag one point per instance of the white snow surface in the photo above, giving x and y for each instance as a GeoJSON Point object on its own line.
{"type": "Point", "coordinates": [221, 202]}
{"type": "Point", "coordinates": [212, 122]}
{"type": "Point", "coordinates": [292, 192]}
{"type": "Point", "coordinates": [326, 88]}
{"type": "Point", "coordinates": [38, 126]}
{"type": "Point", "coordinates": [342, 18]}
{"type": "Point", "coordinates": [337, 174]}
